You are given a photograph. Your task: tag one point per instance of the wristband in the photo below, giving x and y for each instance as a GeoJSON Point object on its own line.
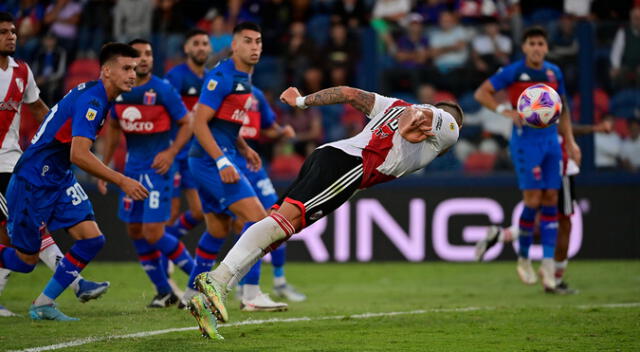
{"type": "Point", "coordinates": [300, 102]}
{"type": "Point", "coordinates": [501, 108]}
{"type": "Point", "coordinates": [223, 163]}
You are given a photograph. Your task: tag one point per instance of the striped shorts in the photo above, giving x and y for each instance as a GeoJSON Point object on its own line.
{"type": "Point", "coordinates": [327, 179]}
{"type": "Point", "coordinates": [4, 183]}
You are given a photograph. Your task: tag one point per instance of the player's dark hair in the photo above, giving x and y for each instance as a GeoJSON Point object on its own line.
{"type": "Point", "coordinates": [110, 51]}
{"type": "Point", "coordinates": [192, 33]}
{"type": "Point", "coordinates": [452, 108]}
{"type": "Point", "coordinates": [6, 17]}
{"type": "Point", "coordinates": [535, 31]}
{"type": "Point", "coordinates": [246, 25]}
{"type": "Point", "coordinates": [139, 41]}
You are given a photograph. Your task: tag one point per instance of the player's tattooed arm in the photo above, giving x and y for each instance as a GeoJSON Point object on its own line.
{"type": "Point", "coordinates": [359, 99]}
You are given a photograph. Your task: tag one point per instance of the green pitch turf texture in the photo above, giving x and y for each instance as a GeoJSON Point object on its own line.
{"type": "Point", "coordinates": [504, 314]}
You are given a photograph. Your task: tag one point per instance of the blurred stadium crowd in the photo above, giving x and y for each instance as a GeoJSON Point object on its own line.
{"type": "Point", "coordinates": [419, 50]}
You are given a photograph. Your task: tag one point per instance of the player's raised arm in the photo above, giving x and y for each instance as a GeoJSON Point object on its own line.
{"type": "Point", "coordinates": [82, 156]}
{"type": "Point", "coordinates": [359, 99]}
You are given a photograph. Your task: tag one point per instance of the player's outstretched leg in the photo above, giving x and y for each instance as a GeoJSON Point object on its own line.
{"type": "Point", "coordinates": [80, 254]}
{"type": "Point", "coordinates": [256, 241]}
{"type": "Point", "coordinates": [281, 287]}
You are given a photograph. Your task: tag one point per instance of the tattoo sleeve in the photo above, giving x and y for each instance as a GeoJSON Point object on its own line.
{"type": "Point", "coordinates": [359, 99]}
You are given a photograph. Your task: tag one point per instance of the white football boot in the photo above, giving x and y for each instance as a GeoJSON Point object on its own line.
{"type": "Point", "coordinates": [525, 271]}
{"type": "Point", "coordinates": [547, 274]}
{"type": "Point", "coordinates": [262, 303]}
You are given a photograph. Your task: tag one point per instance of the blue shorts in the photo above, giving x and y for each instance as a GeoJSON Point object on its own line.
{"type": "Point", "coordinates": [35, 210]}
{"type": "Point", "coordinates": [216, 196]}
{"type": "Point", "coordinates": [183, 178]}
{"type": "Point", "coordinates": [537, 162]}
{"type": "Point", "coordinates": [260, 182]}
{"type": "Point", "coordinates": [157, 207]}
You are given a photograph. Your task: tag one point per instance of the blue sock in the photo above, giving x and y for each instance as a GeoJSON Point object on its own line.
{"type": "Point", "coordinates": [277, 260]}
{"type": "Point", "coordinates": [175, 250]}
{"type": "Point", "coordinates": [69, 267]}
{"type": "Point", "coordinates": [548, 230]}
{"type": "Point", "coordinates": [151, 260]}
{"type": "Point", "coordinates": [183, 224]}
{"type": "Point", "coordinates": [527, 220]}
{"type": "Point", "coordinates": [9, 259]}
{"type": "Point", "coordinates": [206, 255]}
{"type": "Point", "coordinates": [253, 276]}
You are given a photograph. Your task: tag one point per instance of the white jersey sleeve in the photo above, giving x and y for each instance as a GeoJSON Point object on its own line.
{"type": "Point", "coordinates": [31, 92]}
{"type": "Point", "coordinates": [406, 157]}
{"type": "Point", "coordinates": [381, 104]}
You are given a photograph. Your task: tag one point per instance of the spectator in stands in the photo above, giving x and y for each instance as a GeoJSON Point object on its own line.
{"type": "Point", "coordinates": [49, 69]}
{"type": "Point", "coordinates": [563, 51]}
{"type": "Point", "coordinates": [95, 27]}
{"type": "Point", "coordinates": [301, 53]}
{"type": "Point", "coordinates": [630, 151]}
{"type": "Point", "coordinates": [132, 19]}
{"type": "Point", "coordinates": [625, 53]}
{"type": "Point", "coordinates": [220, 38]}
{"type": "Point", "coordinates": [607, 147]}
{"type": "Point", "coordinates": [354, 13]}
{"type": "Point", "coordinates": [28, 15]}
{"type": "Point", "coordinates": [450, 53]}
{"type": "Point", "coordinates": [168, 30]}
{"type": "Point", "coordinates": [490, 50]}
{"type": "Point", "coordinates": [342, 51]}
{"type": "Point", "coordinates": [63, 17]}
{"type": "Point", "coordinates": [385, 18]}
{"type": "Point", "coordinates": [430, 10]}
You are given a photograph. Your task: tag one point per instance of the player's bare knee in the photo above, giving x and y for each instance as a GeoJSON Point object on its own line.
{"type": "Point", "coordinates": [135, 231]}
{"type": "Point", "coordinates": [31, 259]}
{"type": "Point", "coordinates": [152, 232]}
{"type": "Point", "coordinates": [549, 197]}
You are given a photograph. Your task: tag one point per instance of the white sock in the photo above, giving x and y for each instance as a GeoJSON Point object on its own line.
{"type": "Point", "coordinates": [561, 267]}
{"type": "Point", "coordinates": [251, 246]}
{"type": "Point", "coordinates": [50, 254]}
{"type": "Point", "coordinates": [250, 292]}
{"type": "Point", "coordinates": [189, 293]}
{"type": "Point", "coordinates": [43, 300]}
{"type": "Point", "coordinates": [4, 277]}
{"type": "Point", "coordinates": [279, 281]}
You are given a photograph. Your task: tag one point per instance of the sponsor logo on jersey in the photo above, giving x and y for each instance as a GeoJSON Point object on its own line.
{"type": "Point", "coordinates": [212, 84]}
{"type": "Point", "coordinates": [317, 215]}
{"type": "Point", "coordinates": [192, 91]}
{"type": "Point", "coordinates": [240, 87]}
{"type": "Point", "coordinates": [119, 98]}
{"type": "Point", "coordinates": [9, 105]}
{"type": "Point", "coordinates": [438, 123]}
{"type": "Point", "coordinates": [150, 97]}
{"type": "Point", "coordinates": [130, 123]}
{"type": "Point", "coordinates": [524, 77]}
{"type": "Point", "coordinates": [91, 114]}
{"type": "Point", "coordinates": [45, 169]}
{"type": "Point", "coordinates": [20, 84]}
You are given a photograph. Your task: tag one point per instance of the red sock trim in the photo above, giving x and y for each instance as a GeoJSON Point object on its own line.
{"type": "Point", "coordinates": [186, 224]}
{"type": "Point", "coordinates": [177, 252]}
{"type": "Point", "coordinates": [149, 256]}
{"type": "Point", "coordinates": [46, 241]}
{"type": "Point", "coordinates": [302, 208]}
{"type": "Point", "coordinates": [206, 255]}
{"type": "Point", "coordinates": [284, 224]}
{"type": "Point", "coordinates": [75, 261]}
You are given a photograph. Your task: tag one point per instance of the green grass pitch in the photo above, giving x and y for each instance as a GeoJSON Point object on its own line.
{"type": "Point", "coordinates": [496, 312]}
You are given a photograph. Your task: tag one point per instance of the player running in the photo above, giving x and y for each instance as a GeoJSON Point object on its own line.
{"type": "Point", "coordinates": [535, 152]}
{"type": "Point", "coordinates": [147, 115]}
{"type": "Point", "coordinates": [220, 113]}
{"type": "Point", "coordinates": [18, 86]}
{"type": "Point", "coordinates": [43, 193]}
{"type": "Point", "coordinates": [566, 204]}
{"type": "Point", "coordinates": [399, 139]}
{"type": "Point", "coordinates": [262, 121]}
{"type": "Point", "coordinates": [187, 79]}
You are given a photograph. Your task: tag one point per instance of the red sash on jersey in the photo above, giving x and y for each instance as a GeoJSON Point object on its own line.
{"type": "Point", "coordinates": [190, 101]}
{"type": "Point", "coordinates": [143, 119]}
{"type": "Point", "coordinates": [234, 108]}
{"type": "Point", "coordinates": [10, 105]}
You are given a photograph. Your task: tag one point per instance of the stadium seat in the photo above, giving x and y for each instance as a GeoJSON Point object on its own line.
{"type": "Point", "coordinates": [479, 162]}
{"type": "Point", "coordinates": [600, 104]}
{"type": "Point", "coordinates": [81, 70]}
{"type": "Point", "coordinates": [625, 103]}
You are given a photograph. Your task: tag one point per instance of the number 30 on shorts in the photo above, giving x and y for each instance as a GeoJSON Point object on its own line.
{"type": "Point", "coordinates": [77, 194]}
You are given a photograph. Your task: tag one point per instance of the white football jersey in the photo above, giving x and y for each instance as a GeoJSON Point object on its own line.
{"type": "Point", "coordinates": [386, 154]}
{"type": "Point", "coordinates": [16, 86]}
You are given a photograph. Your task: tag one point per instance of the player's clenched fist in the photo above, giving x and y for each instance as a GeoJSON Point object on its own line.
{"type": "Point", "coordinates": [229, 175]}
{"type": "Point", "coordinates": [134, 189]}
{"type": "Point", "coordinates": [289, 96]}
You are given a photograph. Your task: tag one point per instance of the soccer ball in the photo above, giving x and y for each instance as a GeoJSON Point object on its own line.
{"type": "Point", "coordinates": [539, 106]}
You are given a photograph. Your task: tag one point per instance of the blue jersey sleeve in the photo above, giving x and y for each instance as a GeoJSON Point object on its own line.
{"type": "Point", "coordinates": [173, 103]}
{"type": "Point", "coordinates": [503, 78]}
{"type": "Point", "coordinates": [267, 116]}
{"type": "Point", "coordinates": [215, 88]}
{"type": "Point", "coordinates": [88, 116]}
{"type": "Point", "coordinates": [173, 77]}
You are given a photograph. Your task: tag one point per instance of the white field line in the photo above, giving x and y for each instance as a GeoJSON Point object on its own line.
{"type": "Point", "coordinates": [84, 341]}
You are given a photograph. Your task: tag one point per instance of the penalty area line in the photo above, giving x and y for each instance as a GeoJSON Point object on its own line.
{"type": "Point", "coordinates": [88, 340]}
